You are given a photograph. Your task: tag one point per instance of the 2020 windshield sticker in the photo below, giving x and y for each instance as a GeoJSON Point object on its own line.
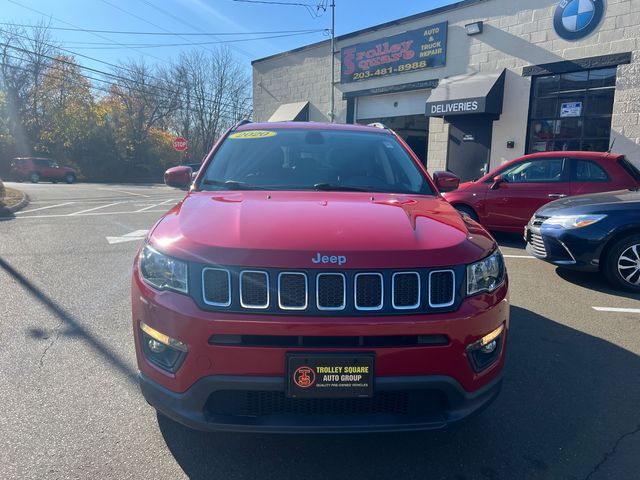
{"type": "Point", "coordinates": [253, 134]}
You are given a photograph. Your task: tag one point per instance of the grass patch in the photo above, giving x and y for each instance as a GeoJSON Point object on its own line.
{"type": "Point", "coordinates": [12, 197]}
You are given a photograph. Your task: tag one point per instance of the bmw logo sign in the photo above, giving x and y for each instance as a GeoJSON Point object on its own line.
{"type": "Point", "coordinates": [575, 19]}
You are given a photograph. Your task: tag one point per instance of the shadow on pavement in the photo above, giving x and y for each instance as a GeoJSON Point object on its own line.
{"type": "Point", "coordinates": [6, 214]}
{"type": "Point", "coordinates": [593, 281]}
{"type": "Point", "coordinates": [72, 325]}
{"type": "Point", "coordinates": [569, 398]}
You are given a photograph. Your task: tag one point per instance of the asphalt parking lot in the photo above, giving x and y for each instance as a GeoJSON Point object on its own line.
{"type": "Point", "coordinates": [71, 408]}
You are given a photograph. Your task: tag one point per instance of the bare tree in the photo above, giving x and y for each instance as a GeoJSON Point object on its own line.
{"type": "Point", "coordinates": [148, 98]}
{"type": "Point", "coordinates": [218, 96]}
{"type": "Point", "coordinates": [25, 54]}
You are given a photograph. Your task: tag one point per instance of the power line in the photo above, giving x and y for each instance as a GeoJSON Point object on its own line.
{"type": "Point", "coordinates": [163, 45]}
{"type": "Point", "coordinates": [72, 25]}
{"type": "Point", "coordinates": [312, 9]}
{"type": "Point", "coordinates": [207, 101]}
{"type": "Point", "coordinates": [130, 32]}
{"type": "Point", "coordinates": [224, 112]}
{"type": "Point", "coordinates": [178, 19]}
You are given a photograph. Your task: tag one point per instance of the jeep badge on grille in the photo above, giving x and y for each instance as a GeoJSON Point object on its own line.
{"type": "Point", "coordinates": [336, 259]}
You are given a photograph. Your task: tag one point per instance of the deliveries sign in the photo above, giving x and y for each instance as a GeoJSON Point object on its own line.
{"type": "Point", "coordinates": [405, 52]}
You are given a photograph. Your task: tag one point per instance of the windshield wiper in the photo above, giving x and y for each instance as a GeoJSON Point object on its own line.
{"type": "Point", "coordinates": [232, 185]}
{"type": "Point", "coordinates": [330, 187]}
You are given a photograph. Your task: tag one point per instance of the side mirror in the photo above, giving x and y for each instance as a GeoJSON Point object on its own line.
{"type": "Point", "coordinates": [178, 177]}
{"type": "Point", "coordinates": [497, 180]}
{"type": "Point", "coordinates": [446, 181]}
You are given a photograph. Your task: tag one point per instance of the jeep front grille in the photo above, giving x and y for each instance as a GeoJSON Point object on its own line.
{"type": "Point", "coordinates": [316, 292]}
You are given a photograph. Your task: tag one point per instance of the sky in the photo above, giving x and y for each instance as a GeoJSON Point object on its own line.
{"type": "Point", "coordinates": [187, 17]}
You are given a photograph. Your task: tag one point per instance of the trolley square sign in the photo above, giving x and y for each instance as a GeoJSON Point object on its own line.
{"type": "Point", "coordinates": [406, 52]}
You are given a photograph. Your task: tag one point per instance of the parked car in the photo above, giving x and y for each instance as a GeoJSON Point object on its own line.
{"type": "Point", "coordinates": [2, 190]}
{"type": "Point", "coordinates": [313, 279]}
{"type": "Point", "coordinates": [505, 199]}
{"type": "Point", "coordinates": [35, 169]}
{"type": "Point", "coordinates": [597, 232]}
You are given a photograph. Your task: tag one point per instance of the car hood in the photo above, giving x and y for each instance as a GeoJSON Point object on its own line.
{"type": "Point", "coordinates": [592, 203]}
{"type": "Point", "coordinates": [289, 229]}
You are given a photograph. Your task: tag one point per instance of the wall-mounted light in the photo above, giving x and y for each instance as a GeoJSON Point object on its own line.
{"type": "Point", "coordinates": [474, 28]}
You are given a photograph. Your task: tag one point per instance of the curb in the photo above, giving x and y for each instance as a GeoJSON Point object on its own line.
{"type": "Point", "coordinates": [20, 205]}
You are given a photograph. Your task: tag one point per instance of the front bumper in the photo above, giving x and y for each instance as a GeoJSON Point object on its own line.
{"type": "Point", "coordinates": [578, 249]}
{"type": "Point", "coordinates": [445, 403]}
{"type": "Point", "coordinates": [242, 387]}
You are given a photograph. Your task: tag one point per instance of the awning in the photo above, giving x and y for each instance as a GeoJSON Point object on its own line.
{"type": "Point", "coordinates": [467, 94]}
{"type": "Point", "coordinates": [291, 112]}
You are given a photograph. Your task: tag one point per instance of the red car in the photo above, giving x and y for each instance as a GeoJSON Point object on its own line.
{"type": "Point", "coordinates": [35, 169]}
{"type": "Point", "coordinates": [506, 198]}
{"type": "Point", "coordinates": [313, 279]}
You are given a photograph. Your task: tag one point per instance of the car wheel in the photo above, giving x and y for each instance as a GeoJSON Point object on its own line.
{"type": "Point", "coordinates": [70, 178]}
{"type": "Point", "coordinates": [468, 210]}
{"type": "Point", "coordinates": [34, 177]}
{"type": "Point", "coordinates": [622, 264]}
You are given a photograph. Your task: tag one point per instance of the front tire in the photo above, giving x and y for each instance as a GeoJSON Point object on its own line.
{"type": "Point", "coordinates": [34, 177]}
{"type": "Point", "coordinates": [468, 210]}
{"type": "Point", "coordinates": [70, 178]}
{"type": "Point", "coordinates": [622, 264]}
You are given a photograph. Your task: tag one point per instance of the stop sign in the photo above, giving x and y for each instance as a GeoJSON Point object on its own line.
{"type": "Point", "coordinates": [180, 144]}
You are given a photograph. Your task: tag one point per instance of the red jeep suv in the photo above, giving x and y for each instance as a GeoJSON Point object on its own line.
{"type": "Point", "coordinates": [313, 279]}
{"type": "Point", "coordinates": [35, 169]}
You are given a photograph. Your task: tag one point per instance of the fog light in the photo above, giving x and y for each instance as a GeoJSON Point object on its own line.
{"type": "Point", "coordinates": [486, 351]}
{"type": "Point", "coordinates": [161, 350]}
{"type": "Point", "coordinates": [162, 338]}
{"type": "Point", "coordinates": [155, 346]}
{"type": "Point", "coordinates": [489, 347]}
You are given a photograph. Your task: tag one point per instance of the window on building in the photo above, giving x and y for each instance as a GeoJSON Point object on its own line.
{"type": "Point", "coordinates": [572, 111]}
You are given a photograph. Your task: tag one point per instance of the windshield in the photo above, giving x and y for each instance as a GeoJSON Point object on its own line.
{"type": "Point", "coordinates": [298, 159]}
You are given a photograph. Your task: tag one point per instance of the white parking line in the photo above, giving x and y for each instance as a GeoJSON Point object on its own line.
{"type": "Point", "coordinates": [44, 208]}
{"type": "Point", "coordinates": [94, 208]}
{"type": "Point", "coordinates": [518, 256]}
{"type": "Point", "coordinates": [124, 191]}
{"type": "Point", "coordinates": [88, 214]}
{"type": "Point", "coordinates": [156, 205]}
{"type": "Point", "coordinates": [617, 310]}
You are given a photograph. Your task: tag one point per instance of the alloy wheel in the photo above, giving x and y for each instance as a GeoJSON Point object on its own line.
{"type": "Point", "coordinates": [629, 265]}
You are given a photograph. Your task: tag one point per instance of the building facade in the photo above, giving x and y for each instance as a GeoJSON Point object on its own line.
{"type": "Point", "coordinates": [476, 83]}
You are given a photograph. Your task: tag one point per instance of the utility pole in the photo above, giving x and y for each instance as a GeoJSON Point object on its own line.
{"type": "Point", "coordinates": [333, 60]}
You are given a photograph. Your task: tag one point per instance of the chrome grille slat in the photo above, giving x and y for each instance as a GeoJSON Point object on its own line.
{"type": "Point", "coordinates": [254, 289]}
{"type": "Point", "coordinates": [216, 287]}
{"type": "Point", "coordinates": [442, 288]}
{"type": "Point", "coordinates": [405, 290]}
{"type": "Point", "coordinates": [329, 294]}
{"type": "Point", "coordinates": [369, 289]}
{"type": "Point", "coordinates": [537, 243]}
{"type": "Point", "coordinates": [293, 291]}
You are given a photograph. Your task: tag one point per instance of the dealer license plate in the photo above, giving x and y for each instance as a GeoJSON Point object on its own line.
{"type": "Point", "coordinates": [330, 376]}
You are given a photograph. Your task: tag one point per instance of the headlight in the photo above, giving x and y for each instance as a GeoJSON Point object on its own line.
{"type": "Point", "coordinates": [486, 275]}
{"type": "Point", "coordinates": [163, 272]}
{"type": "Point", "coordinates": [573, 221]}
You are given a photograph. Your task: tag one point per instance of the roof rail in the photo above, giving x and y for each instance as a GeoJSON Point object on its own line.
{"type": "Point", "coordinates": [378, 125]}
{"type": "Point", "coordinates": [240, 123]}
